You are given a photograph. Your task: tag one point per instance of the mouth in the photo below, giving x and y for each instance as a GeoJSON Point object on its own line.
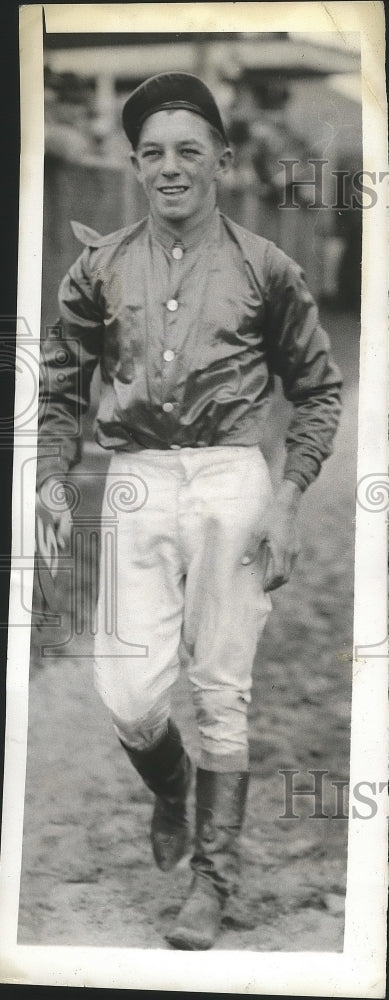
{"type": "Point", "coordinates": [172, 190]}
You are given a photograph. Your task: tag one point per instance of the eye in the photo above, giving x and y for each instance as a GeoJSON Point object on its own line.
{"type": "Point", "coordinates": [150, 154]}
{"type": "Point", "coordinates": [188, 151]}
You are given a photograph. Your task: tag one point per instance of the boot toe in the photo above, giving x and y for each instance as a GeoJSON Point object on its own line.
{"type": "Point", "coordinates": [183, 939]}
{"type": "Point", "coordinates": [198, 923]}
{"type": "Point", "coordinates": [169, 835]}
{"type": "Point", "coordinates": [169, 848]}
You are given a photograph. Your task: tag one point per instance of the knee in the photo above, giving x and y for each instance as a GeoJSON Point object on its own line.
{"type": "Point", "coordinates": [219, 703]}
{"type": "Point", "coordinates": [223, 728]}
{"type": "Point", "coordinates": [142, 732]}
{"type": "Point", "coordinates": [221, 711]}
{"type": "Point", "coordinates": [138, 711]}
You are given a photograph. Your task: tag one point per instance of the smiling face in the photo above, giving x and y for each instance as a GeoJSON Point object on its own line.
{"type": "Point", "coordinates": [178, 161]}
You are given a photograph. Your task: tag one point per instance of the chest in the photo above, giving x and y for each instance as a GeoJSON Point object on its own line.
{"type": "Point", "coordinates": [208, 294]}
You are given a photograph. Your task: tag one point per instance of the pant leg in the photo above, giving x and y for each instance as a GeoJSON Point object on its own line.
{"type": "Point", "coordinates": [225, 604]}
{"type": "Point", "coordinates": [140, 605]}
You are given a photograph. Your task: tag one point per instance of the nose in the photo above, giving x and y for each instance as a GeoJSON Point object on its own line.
{"type": "Point", "coordinates": [170, 166]}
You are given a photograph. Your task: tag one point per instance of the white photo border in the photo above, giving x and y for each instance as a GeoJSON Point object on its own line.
{"type": "Point", "coordinates": [360, 970]}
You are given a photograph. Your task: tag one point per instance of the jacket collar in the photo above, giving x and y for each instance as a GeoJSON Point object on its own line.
{"type": "Point", "coordinates": [168, 237]}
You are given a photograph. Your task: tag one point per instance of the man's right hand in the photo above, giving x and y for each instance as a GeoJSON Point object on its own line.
{"type": "Point", "coordinates": [52, 496]}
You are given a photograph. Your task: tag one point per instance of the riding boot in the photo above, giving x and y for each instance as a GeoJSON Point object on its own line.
{"type": "Point", "coordinates": [220, 806]}
{"type": "Point", "coordinates": [166, 770]}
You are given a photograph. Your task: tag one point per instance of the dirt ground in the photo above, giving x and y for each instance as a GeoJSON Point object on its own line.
{"type": "Point", "coordinates": [87, 876]}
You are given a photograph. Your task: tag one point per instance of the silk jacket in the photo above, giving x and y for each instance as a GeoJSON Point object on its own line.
{"type": "Point", "coordinates": [188, 337]}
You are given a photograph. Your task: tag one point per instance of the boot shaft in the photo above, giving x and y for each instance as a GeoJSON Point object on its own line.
{"type": "Point", "coordinates": [220, 800]}
{"type": "Point", "coordinates": [220, 808]}
{"type": "Point", "coordinates": [165, 769]}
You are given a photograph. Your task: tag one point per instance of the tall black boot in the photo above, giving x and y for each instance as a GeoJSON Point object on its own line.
{"type": "Point", "coordinates": [221, 800]}
{"type": "Point", "coordinates": [166, 770]}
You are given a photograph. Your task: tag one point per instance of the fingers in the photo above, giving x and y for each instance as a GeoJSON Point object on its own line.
{"type": "Point", "coordinates": [60, 520]}
{"type": "Point", "coordinates": [274, 580]}
{"type": "Point", "coordinates": [251, 550]}
{"type": "Point", "coordinates": [64, 529]}
{"type": "Point", "coordinates": [275, 573]}
{"type": "Point", "coordinates": [276, 561]}
{"type": "Point", "coordinates": [278, 566]}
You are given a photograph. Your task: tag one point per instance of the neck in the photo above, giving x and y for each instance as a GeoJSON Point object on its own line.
{"type": "Point", "coordinates": [189, 228]}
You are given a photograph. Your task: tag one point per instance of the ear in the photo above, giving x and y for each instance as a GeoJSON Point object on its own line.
{"type": "Point", "coordinates": [224, 162]}
{"type": "Point", "coordinates": [135, 164]}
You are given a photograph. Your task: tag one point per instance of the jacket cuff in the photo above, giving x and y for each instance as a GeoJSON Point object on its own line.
{"type": "Point", "coordinates": [301, 470]}
{"type": "Point", "coordinates": [298, 478]}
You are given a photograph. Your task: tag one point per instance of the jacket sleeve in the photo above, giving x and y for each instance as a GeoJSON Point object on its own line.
{"type": "Point", "coordinates": [69, 356]}
{"type": "Point", "coordinates": [299, 352]}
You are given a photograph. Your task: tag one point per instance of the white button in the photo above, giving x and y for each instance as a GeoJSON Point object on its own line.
{"type": "Point", "coordinates": [167, 407]}
{"type": "Point", "coordinates": [175, 447]}
{"type": "Point", "coordinates": [168, 355]}
{"type": "Point", "coordinates": [172, 305]}
{"type": "Point", "coordinates": [177, 253]}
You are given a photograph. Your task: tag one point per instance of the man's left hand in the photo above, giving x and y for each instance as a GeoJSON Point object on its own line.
{"type": "Point", "coordinates": [277, 544]}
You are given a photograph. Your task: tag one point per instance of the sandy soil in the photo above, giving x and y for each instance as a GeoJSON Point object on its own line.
{"type": "Point", "coordinates": [88, 876]}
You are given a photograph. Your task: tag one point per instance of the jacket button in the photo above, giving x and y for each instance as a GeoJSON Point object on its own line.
{"type": "Point", "coordinates": [168, 355]}
{"type": "Point", "coordinates": [172, 305]}
{"type": "Point", "coordinates": [167, 407]}
{"type": "Point", "coordinates": [177, 253]}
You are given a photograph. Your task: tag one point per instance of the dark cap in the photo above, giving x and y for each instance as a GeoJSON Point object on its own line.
{"type": "Point", "coordinates": [170, 90]}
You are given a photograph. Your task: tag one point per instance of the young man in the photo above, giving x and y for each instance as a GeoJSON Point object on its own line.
{"type": "Point", "coordinates": [190, 316]}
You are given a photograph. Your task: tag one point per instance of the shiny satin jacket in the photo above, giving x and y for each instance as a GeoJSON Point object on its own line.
{"type": "Point", "coordinates": [188, 337]}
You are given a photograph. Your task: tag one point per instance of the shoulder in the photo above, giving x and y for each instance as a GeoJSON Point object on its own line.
{"type": "Point", "coordinates": [244, 237]}
{"type": "Point", "coordinates": [256, 247]}
{"type": "Point", "coordinates": [264, 257]}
